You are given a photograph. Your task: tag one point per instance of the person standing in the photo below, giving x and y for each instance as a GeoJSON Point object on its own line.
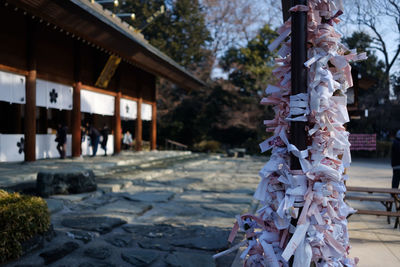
{"type": "Point", "coordinates": [61, 139]}
{"type": "Point", "coordinates": [94, 135]}
{"type": "Point", "coordinates": [127, 140]}
{"type": "Point", "coordinates": [104, 134]}
{"type": "Point", "coordinates": [396, 160]}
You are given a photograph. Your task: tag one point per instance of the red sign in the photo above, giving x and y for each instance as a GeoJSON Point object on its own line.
{"type": "Point", "coordinates": [362, 142]}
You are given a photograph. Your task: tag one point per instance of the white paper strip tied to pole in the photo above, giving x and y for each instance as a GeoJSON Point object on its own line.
{"type": "Point", "coordinates": [12, 88]}
{"type": "Point", "coordinates": [53, 95]}
{"type": "Point", "coordinates": [97, 103]}
{"type": "Point", "coordinates": [12, 147]}
{"type": "Point", "coordinates": [146, 112]}
{"type": "Point", "coordinates": [128, 109]}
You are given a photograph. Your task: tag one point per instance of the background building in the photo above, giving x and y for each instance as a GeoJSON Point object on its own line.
{"type": "Point", "coordinates": [73, 62]}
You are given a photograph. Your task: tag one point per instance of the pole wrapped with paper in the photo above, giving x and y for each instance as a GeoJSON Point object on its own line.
{"type": "Point", "coordinates": [313, 195]}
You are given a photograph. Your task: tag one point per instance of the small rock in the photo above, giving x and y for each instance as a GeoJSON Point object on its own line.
{"type": "Point", "coordinates": [229, 209]}
{"type": "Point", "coordinates": [34, 243]}
{"type": "Point", "coordinates": [26, 265]}
{"type": "Point", "coordinates": [158, 244]}
{"type": "Point", "coordinates": [54, 205]}
{"type": "Point", "coordinates": [96, 264]}
{"type": "Point", "coordinates": [100, 252]}
{"type": "Point", "coordinates": [201, 242]}
{"type": "Point", "coordinates": [124, 206]}
{"type": "Point", "coordinates": [150, 196]}
{"type": "Point", "coordinates": [86, 237]}
{"type": "Point", "coordinates": [55, 254]}
{"type": "Point", "coordinates": [185, 259]}
{"type": "Point", "coordinates": [101, 224]}
{"type": "Point", "coordinates": [120, 240]}
{"type": "Point", "coordinates": [140, 257]}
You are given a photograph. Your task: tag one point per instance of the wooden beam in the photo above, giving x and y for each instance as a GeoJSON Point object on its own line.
{"type": "Point", "coordinates": [130, 97]}
{"type": "Point", "coordinates": [13, 70]}
{"type": "Point", "coordinates": [117, 124]}
{"type": "Point", "coordinates": [139, 126]}
{"type": "Point", "coordinates": [98, 90]}
{"type": "Point", "coordinates": [30, 88]}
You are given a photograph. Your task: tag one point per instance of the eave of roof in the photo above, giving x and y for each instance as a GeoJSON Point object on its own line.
{"type": "Point", "coordinates": [94, 24]}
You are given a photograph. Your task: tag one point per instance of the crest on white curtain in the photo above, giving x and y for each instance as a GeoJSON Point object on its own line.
{"type": "Point", "coordinates": [53, 95]}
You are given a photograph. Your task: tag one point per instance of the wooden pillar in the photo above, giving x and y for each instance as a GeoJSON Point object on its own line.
{"type": "Point", "coordinates": [153, 134]}
{"type": "Point", "coordinates": [139, 126]}
{"type": "Point", "coordinates": [30, 88]}
{"type": "Point", "coordinates": [117, 124]}
{"type": "Point", "coordinates": [76, 120]}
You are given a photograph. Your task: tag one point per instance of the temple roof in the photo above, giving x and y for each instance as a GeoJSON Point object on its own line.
{"type": "Point", "coordinates": [89, 21]}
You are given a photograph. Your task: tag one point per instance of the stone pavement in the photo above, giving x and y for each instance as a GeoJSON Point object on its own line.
{"type": "Point", "coordinates": [17, 172]}
{"type": "Point", "coordinates": [374, 241]}
{"type": "Point", "coordinates": [179, 213]}
{"type": "Point", "coordinates": [175, 214]}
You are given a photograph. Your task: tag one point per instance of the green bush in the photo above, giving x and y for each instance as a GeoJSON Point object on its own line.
{"type": "Point", "coordinates": [208, 146]}
{"type": "Point", "coordinates": [21, 217]}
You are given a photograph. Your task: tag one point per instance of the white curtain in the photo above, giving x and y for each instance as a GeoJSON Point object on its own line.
{"type": "Point", "coordinates": [97, 103]}
{"type": "Point", "coordinates": [87, 149]}
{"type": "Point", "coordinates": [12, 87]}
{"type": "Point", "coordinates": [128, 109]}
{"type": "Point", "coordinates": [46, 147]}
{"type": "Point", "coordinates": [12, 147]}
{"type": "Point", "coordinates": [53, 95]}
{"type": "Point", "coordinates": [146, 112]}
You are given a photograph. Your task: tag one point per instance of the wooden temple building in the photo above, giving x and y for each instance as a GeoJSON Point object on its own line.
{"type": "Point", "coordinates": [72, 62]}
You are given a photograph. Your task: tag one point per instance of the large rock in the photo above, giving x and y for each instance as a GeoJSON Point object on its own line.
{"type": "Point", "coordinates": [187, 259]}
{"type": "Point", "coordinates": [150, 196]}
{"type": "Point", "coordinates": [99, 252]}
{"type": "Point", "coordinates": [55, 254]}
{"type": "Point", "coordinates": [101, 224]}
{"type": "Point", "coordinates": [65, 182]}
{"type": "Point", "coordinates": [138, 257]}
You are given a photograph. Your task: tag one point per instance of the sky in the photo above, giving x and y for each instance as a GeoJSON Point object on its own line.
{"type": "Point", "coordinates": [346, 28]}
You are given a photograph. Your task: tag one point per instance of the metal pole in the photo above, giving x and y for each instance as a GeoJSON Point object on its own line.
{"type": "Point", "coordinates": [298, 133]}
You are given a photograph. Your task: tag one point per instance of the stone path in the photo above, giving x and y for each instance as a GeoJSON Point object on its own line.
{"type": "Point", "coordinates": [179, 212]}
{"type": "Point", "coordinates": [169, 215]}
{"type": "Point", "coordinates": [16, 173]}
{"type": "Point", "coordinates": [374, 241]}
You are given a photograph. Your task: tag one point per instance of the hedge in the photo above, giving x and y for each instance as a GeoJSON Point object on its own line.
{"type": "Point", "coordinates": [21, 218]}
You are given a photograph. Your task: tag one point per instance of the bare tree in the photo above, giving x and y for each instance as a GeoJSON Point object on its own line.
{"type": "Point", "coordinates": [381, 19]}
{"type": "Point", "coordinates": [235, 22]}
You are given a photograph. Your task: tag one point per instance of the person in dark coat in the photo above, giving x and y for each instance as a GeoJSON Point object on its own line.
{"type": "Point", "coordinates": [83, 136]}
{"type": "Point", "coordinates": [94, 135]}
{"type": "Point", "coordinates": [104, 134]}
{"type": "Point", "coordinates": [396, 160]}
{"type": "Point", "coordinates": [61, 139]}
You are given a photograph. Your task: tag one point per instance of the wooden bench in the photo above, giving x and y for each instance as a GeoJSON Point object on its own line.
{"type": "Point", "coordinates": [387, 201]}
